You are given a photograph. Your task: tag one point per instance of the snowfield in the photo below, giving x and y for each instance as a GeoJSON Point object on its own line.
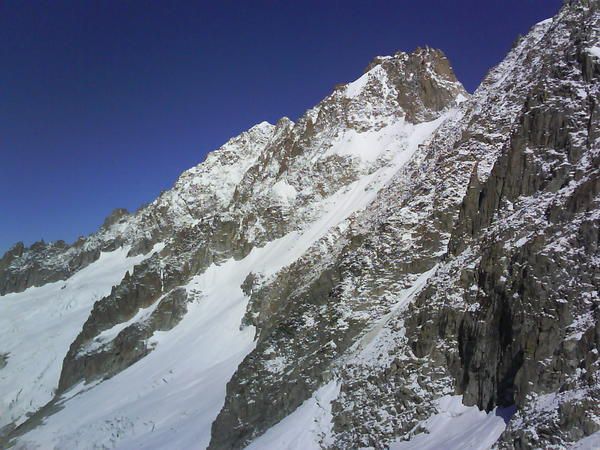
{"type": "Point", "coordinates": [38, 325]}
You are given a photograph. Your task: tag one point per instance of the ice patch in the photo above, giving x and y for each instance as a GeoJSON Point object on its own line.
{"type": "Point", "coordinates": [460, 99]}
{"type": "Point", "coordinates": [545, 21]}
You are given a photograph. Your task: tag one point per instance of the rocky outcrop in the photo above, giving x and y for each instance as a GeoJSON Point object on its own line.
{"type": "Point", "coordinates": [24, 267]}
{"type": "Point", "coordinates": [98, 359]}
{"type": "Point", "coordinates": [118, 215]}
{"type": "Point", "coordinates": [154, 284]}
{"type": "Point", "coordinates": [21, 268]}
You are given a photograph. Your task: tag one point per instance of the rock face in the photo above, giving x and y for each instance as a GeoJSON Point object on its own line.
{"type": "Point", "coordinates": [402, 241]}
{"type": "Point", "coordinates": [527, 242]}
{"type": "Point", "coordinates": [297, 314]}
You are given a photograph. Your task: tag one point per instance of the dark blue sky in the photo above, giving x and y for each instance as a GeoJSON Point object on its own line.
{"type": "Point", "coordinates": [104, 103]}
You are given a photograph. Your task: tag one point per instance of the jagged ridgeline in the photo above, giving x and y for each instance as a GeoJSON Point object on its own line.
{"type": "Point", "coordinates": [405, 266]}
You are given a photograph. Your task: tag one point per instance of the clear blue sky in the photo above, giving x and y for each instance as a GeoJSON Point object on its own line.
{"type": "Point", "coordinates": [104, 103]}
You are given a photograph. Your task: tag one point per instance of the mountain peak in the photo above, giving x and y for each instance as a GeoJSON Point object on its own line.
{"type": "Point", "coordinates": [422, 83]}
{"type": "Point", "coordinates": [424, 53]}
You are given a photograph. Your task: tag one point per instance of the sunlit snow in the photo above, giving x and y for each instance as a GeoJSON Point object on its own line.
{"type": "Point", "coordinates": [38, 325]}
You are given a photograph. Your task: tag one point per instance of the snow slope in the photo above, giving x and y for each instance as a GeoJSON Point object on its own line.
{"type": "Point", "coordinates": [370, 145]}
{"type": "Point", "coordinates": [456, 427]}
{"type": "Point", "coordinates": [307, 428]}
{"type": "Point", "coordinates": [38, 325]}
{"type": "Point", "coordinates": [592, 442]}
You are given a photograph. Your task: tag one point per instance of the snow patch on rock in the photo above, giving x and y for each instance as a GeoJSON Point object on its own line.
{"type": "Point", "coordinates": [456, 427]}
{"type": "Point", "coordinates": [307, 428]}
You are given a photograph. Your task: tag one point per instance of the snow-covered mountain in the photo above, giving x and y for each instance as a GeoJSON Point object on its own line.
{"type": "Point", "coordinates": [406, 266]}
